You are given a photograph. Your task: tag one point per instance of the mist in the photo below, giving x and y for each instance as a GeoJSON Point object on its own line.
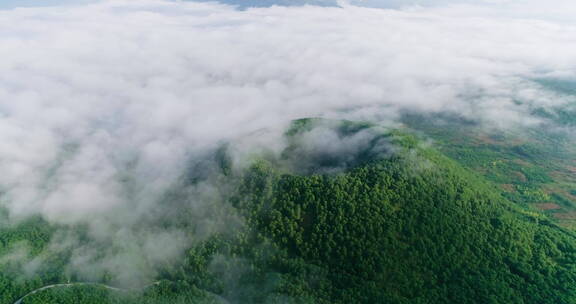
{"type": "Point", "coordinates": [105, 108]}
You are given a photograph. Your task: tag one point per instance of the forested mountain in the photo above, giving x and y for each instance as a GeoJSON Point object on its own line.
{"type": "Point", "coordinates": [371, 215]}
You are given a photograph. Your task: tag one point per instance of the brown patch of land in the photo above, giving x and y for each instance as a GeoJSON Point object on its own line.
{"type": "Point", "coordinates": [549, 189]}
{"type": "Point", "coordinates": [508, 187]}
{"type": "Point", "coordinates": [485, 139]}
{"type": "Point", "coordinates": [565, 174]}
{"type": "Point", "coordinates": [520, 176]}
{"type": "Point", "coordinates": [567, 195]}
{"type": "Point", "coordinates": [566, 224]}
{"type": "Point", "coordinates": [522, 162]}
{"type": "Point", "coordinates": [547, 206]}
{"type": "Point", "coordinates": [565, 215]}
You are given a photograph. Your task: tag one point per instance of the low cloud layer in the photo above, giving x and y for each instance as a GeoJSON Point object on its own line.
{"type": "Point", "coordinates": [103, 107]}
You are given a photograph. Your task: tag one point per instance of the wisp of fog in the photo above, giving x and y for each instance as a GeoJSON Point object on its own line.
{"type": "Point", "coordinates": [104, 107]}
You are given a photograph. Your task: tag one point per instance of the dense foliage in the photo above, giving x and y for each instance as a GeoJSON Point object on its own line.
{"type": "Point", "coordinates": [394, 232]}
{"type": "Point", "coordinates": [401, 223]}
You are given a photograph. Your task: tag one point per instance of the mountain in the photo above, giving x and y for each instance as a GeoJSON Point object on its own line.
{"type": "Point", "coordinates": [348, 213]}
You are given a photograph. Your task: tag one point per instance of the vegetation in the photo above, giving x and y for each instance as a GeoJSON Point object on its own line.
{"type": "Point", "coordinates": [535, 167]}
{"type": "Point", "coordinates": [399, 223]}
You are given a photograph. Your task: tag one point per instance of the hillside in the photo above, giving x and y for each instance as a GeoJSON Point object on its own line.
{"type": "Point", "coordinates": [534, 167]}
{"type": "Point", "coordinates": [393, 222]}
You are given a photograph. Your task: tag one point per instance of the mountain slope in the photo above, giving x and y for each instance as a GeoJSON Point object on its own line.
{"type": "Point", "coordinates": [352, 213]}
{"type": "Point", "coordinates": [414, 227]}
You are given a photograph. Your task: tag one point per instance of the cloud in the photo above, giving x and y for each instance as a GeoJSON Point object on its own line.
{"type": "Point", "coordinates": [104, 107]}
{"type": "Point", "coordinates": [10, 4]}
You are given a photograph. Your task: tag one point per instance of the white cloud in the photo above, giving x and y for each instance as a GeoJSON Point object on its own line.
{"type": "Point", "coordinates": [95, 95]}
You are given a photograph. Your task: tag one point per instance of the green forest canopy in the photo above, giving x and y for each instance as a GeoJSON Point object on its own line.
{"type": "Point", "coordinates": [401, 223]}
